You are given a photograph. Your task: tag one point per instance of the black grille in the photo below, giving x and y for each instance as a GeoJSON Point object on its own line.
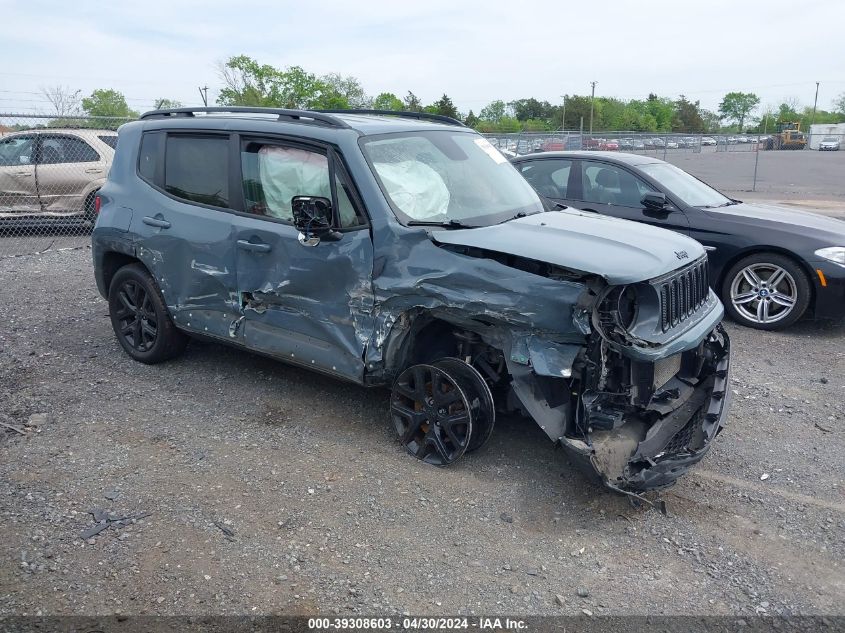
{"type": "Point", "coordinates": [682, 294]}
{"type": "Point", "coordinates": [681, 440]}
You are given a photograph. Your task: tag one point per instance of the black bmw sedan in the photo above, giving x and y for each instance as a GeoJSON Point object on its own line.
{"type": "Point", "coordinates": [769, 265]}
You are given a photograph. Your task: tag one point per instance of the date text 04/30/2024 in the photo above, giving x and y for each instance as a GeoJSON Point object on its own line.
{"type": "Point", "coordinates": [417, 623]}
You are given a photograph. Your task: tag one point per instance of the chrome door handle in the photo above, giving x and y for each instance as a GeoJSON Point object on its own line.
{"type": "Point", "coordinates": [259, 247]}
{"type": "Point", "coordinates": [162, 224]}
{"type": "Point", "coordinates": [23, 173]}
{"type": "Point", "coordinates": [93, 171]}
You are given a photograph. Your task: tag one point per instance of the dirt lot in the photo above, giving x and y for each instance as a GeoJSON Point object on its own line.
{"type": "Point", "coordinates": [272, 489]}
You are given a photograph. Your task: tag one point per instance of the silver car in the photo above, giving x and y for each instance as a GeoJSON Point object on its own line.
{"type": "Point", "coordinates": [52, 175]}
{"type": "Point", "coordinates": [829, 144]}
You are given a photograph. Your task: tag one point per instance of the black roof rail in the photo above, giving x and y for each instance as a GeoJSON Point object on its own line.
{"type": "Point", "coordinates": [283, 114]}
{"type": "Point", "coordinates": [423, 116]}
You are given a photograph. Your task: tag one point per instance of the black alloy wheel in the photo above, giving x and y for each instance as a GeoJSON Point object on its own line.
{"type": "Point", "coordinates": [140, 318]}
{"type": "Point", "coordinates": [431, 414]}
{"type": "Point", "coordinates": [480, 397]}
{"type": "Point", "coordinates": [136, 317]}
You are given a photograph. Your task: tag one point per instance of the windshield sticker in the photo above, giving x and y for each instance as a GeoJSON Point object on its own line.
{"type": "Point", "coordinates": [491, 151]}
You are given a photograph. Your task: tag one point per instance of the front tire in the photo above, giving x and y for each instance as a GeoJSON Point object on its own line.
{"type": "Point", "coordinates": [140, 318]}
{"type": "Point", "coordinates": [766, 291]}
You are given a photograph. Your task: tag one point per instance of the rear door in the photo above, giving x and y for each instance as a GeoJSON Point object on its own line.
{"type": "Point", "coordinates": [183, 227]}
{"type": "Point", "coordinates": [18, 189]}
{"type": "Point", "coordinates": [311, 305]}
{"type": "Point", "coordinates": [65, 169]}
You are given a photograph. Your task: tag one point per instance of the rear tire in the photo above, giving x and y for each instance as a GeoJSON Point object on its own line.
{"type": "Point", "coordinates": [766, 291]}
{"type": "Point", "coordinates": [140, 318]}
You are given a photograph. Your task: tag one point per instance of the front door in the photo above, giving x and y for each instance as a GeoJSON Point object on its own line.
{"type": "Point", "coordinates": [611, 189]}
{"type": "Point", "coordinates": [311, 305]}
{"type": "Point", "coordinates": [18, 189]}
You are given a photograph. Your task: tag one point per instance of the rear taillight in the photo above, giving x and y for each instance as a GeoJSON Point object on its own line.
{"type": "Point", "coordinates": [97, 202]}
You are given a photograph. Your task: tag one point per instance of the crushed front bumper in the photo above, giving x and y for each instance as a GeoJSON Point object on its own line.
{"type": "Point", "coordinates": [638, 456]}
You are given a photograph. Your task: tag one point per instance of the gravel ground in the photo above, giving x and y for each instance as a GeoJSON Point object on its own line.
{"type": "Point", "coordinates": [271, 489]}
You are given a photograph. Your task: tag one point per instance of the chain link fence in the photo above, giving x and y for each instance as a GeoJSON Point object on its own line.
{"type": "Point", "coordinates": [50, 171]}
{"type": "Point", "coordinates": [634, 142]}
{"type": "Point", "coordinates": [51, 168]}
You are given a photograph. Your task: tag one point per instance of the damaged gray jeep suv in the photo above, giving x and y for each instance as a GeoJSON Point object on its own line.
{"type": "Point", "coordinates": [402, 249]}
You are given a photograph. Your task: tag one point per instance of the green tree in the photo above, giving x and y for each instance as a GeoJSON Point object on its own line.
{"type": "Point", "coordinates": [788, 111]}
{"type": "Point", "coordinates": [736, 106]}
{"type": "Point", "coordinates": [248, 83]}
{"type": "Point", "coordinates": [445, 107]}
{"type": "Point", "coordinates": [388, 101]}
{"type": "Point", "coordinates": [711, 120]}
{"type": "Point", "coordinates": [494, 112]}
{"type": "Point", "coordinates": [300, 89]}
{"type": "Point", "coordinates": [413, 103]}
{"type": "Point", "coordinates": [687, 116]}
{"type": "Point", "coordinates": [165, 104]}
{"type": "Point", "coordinates": [471, 120]}
{"type": "Point", "coordinates": [577, 107]}
{"type": "Point", "coordinates": [105, 102]}
{"type": "Point", "coordinates": [348, 91]}
{"type": "Point", "coordinates": [525, 109]}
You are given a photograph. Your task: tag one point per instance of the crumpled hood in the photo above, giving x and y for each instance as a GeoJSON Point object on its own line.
{"type": "Point", "coordinates": [620, 251]}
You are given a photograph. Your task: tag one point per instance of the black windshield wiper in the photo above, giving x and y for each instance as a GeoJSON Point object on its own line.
{"type": "Point", "coordinates": [452, 224]}
{"type": "Point", "coordinates": [524, 214]}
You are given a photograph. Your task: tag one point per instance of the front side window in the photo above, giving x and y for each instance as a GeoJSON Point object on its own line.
{"type": "Point", "coordinates": [274, 174]}
{"type": "Point", "coordinates": [690, 190]}
{"type": "Point", "coordinates": [16, 150]}
{"type": "Point", "coordinates": [602, 183]}
{"type": "Point", "coordinates": [196, 169]}
{"type": "Point", "coordinates": [444, 176]}
{"type": "Point", "coordinates": [66, 149]}
{"type": "Point", "coordinates": [111, 141]}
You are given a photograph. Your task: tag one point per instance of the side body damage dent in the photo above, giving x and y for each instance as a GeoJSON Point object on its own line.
{"type": "Point", "coordinates": [539, 338]}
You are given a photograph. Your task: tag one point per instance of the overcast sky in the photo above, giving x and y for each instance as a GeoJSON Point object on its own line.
{"type": "Point", "coordinates": [473, 51]}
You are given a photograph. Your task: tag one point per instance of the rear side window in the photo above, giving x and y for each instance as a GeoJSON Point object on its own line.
{"type": "Point", "coordinates": [149, 156]}
{"type": "Point", "coordinates": [196, 169]}
{"type": "Point", "coordinates": [111, 141]}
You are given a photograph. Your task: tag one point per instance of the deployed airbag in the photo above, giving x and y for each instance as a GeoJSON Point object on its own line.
{"type": "Point", "coordinates": [415, 188]}
{"type": "Point", "coordinates": [286, 172]}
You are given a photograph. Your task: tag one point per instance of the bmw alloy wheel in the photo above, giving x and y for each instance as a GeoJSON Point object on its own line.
{"type": "Point", "coordinates": [764, 293]}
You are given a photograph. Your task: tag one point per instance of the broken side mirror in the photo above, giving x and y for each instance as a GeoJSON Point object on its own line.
{"type": "Point", "coordinates": [314, 217]}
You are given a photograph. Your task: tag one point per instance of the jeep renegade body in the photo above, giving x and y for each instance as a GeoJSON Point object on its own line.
{"type": "Point", "coordinates": [403, 249]}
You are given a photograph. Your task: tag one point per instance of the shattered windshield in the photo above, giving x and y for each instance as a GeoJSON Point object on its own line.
{"type": "Point", "coordinates": [447, 177]}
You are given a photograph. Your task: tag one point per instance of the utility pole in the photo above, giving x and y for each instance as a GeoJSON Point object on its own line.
{"type": "Point", "coordinates": [592, 98]}
{"type": "Point", "coordinates": [563, 118]}
{"type": "Point", "coordinates": [204, 95]}
{"type": "Point", "coordinates": [815, 102]}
